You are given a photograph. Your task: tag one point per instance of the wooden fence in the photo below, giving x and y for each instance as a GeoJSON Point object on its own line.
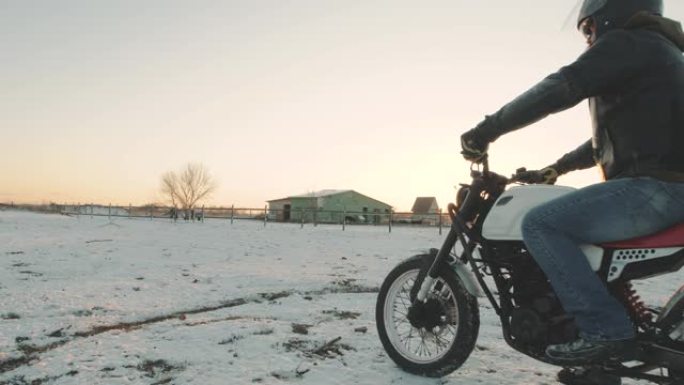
{"type": "Point", "coordinates": [302, 217]}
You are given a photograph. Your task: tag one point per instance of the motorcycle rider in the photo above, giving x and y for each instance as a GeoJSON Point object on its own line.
{"type": "Point", "coordinates": [632, 73]}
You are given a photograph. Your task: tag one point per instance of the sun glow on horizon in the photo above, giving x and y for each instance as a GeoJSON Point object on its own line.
{"type": "Point", "coordinates": [275, 98]}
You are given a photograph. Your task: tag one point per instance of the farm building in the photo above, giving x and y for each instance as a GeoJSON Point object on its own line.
{"type": "Point", "coordinates": [425, 210]}
{"type": "Point", "coordinates": [329, 206]}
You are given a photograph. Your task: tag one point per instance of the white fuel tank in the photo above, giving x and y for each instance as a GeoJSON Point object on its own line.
{"type": "Point", "coordinates": [505, 219]}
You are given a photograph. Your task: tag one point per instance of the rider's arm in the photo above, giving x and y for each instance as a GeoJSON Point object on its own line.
{"type": "Point", "coordinates": [579, 159]}
{"type": "Point", "coordinates": [553, 94]}
{"type": "Point", "coordinates": [611, 60]}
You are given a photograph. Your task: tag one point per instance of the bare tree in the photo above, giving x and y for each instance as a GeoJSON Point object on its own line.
{"type": "Point", "coordinates": [187, 188]}
{"type": "Point", "coordinates": [170, 187]}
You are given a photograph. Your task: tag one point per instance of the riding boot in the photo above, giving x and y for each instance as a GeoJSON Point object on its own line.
{"type": "Point", "coordinates": [588, 375]}
{"type": "Point", "coordinates": [583, 352]}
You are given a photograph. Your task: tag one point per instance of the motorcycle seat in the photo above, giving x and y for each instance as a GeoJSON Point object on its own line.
{"type": "Point", "coordinates": [672, 237]}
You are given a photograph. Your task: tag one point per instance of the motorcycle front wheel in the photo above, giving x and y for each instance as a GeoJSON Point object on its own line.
{"type": "Point", "coordinates": [439, 338]}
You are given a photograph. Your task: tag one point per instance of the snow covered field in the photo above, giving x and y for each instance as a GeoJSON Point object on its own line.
{"type": "Point", "coordinates": [138, 301]}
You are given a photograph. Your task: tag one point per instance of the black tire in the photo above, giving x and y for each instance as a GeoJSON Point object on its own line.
{"type": "Point", "coordinates": [674, 318]}
{"type": "Point", "coordinates": [467, 316]}
{"type": "Point", "coordinates": [678, 376]}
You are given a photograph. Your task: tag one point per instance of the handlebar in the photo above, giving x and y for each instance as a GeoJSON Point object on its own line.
{"type": "Point", "coordinates": [485, 165]}
{"type": "Point", "coordinates": [522, 175]}
{"type": "Point", "coordinates": [527, 177]}
{"type": "Point", "coordinates": [469, 197]}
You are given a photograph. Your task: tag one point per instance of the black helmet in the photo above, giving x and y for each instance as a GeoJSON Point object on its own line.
{"type": "Point", "coordinates": [609, 14]}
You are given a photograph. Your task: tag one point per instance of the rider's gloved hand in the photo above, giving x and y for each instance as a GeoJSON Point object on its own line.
{"type": "Point", "coordinates": [547, 175]}
{"type": "Point", "coordinates": [474, 146]}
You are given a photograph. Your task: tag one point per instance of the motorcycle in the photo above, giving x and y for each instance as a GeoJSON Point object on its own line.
{"type": "Point", "coordinates": [427, 311]}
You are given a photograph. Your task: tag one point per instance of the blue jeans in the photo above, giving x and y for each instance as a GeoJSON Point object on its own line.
{"type": "Point", "coordinates": [611, 211]}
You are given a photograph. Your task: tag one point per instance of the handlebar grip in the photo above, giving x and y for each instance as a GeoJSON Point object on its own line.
{"type": "Point", "coordinates": [530, 177]}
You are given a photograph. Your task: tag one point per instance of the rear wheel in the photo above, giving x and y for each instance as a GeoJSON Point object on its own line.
{"type": "Point", "coordinates": [676, 375]}
{"type": "Point", "coordinates": [673, 327]}
{"type": "Point", "coordinates": [436, 337]}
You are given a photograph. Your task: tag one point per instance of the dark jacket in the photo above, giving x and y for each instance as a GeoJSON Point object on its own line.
{"type": "Point", "coordinates": [634, 80]}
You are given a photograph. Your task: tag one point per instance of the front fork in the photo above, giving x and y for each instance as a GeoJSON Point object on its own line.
{"type": "Point", "coordinates": [455, 234]}
{"type": "Point", "coordinates": [468, 210]}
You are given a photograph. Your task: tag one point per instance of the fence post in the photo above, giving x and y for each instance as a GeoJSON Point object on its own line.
{"type": "Point", "coordinates": [130, 208]}
{"type": "Point", "coordinates": [390, 220]}
{"type": "Point", "coordinates": [232, 213]}
{"type": "Point", "coordinates": [202, 213]}
{"type": "Point", "coordinates": [344, 218]}
{"type": "Point", "coordinates": [109, 212]}
{"type": "Point", "coordinates": [265, 214]}
{"type": "Point", "coordinates": [440, 221]}
{"type": "Point", "coordinates": [301, 218]}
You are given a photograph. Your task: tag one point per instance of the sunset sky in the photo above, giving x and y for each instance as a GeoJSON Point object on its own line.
{"type": "Point", "coordinates": [276, 97]}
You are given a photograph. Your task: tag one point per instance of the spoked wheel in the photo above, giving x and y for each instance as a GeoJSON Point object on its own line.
{"type": "Point", "coordinates": [433, 338]}
{"type": "Point", "coordinates": [676, 376]}
{"type": "Point", "coordinates": [674, 331]}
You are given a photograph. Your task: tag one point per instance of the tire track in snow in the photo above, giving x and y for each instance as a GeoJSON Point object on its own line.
{"type": "Point", "coordinates": [31, 353]}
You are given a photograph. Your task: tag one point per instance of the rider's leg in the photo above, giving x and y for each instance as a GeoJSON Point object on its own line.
{"type": "Point", "coordinates": [611, 211]}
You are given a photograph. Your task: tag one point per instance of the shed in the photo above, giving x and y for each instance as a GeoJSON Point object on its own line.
{"type": "Point", "coordinates": [330, 206]}
{"type": "Point", "coordinates": [280, 209]}
{"type": "Point", "coordinates": [425, 210]}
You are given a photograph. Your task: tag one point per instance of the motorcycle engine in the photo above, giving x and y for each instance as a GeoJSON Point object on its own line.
{"type": "Point", "coordinates": [527, 326]}
{"type": "Point", "coordinates": [537, 319]}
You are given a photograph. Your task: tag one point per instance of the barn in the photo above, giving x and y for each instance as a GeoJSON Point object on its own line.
{"type": "Point", "coordinates": [329, 206]}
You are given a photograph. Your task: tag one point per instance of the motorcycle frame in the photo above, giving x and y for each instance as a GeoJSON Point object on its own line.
{"type": "Point", "coordinates": [466, 228]}
{"type": "Point", "coordinates": [467, 222]}
{"type": "Point", "coordinates": [475, 206]}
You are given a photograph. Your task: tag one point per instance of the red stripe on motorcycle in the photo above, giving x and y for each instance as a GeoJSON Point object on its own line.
{"type": "Point", "coordinates": [671, 237]}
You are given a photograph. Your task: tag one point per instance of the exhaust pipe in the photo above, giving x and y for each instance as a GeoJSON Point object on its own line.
{"type": "Point", "coordinates": [663, 356]}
